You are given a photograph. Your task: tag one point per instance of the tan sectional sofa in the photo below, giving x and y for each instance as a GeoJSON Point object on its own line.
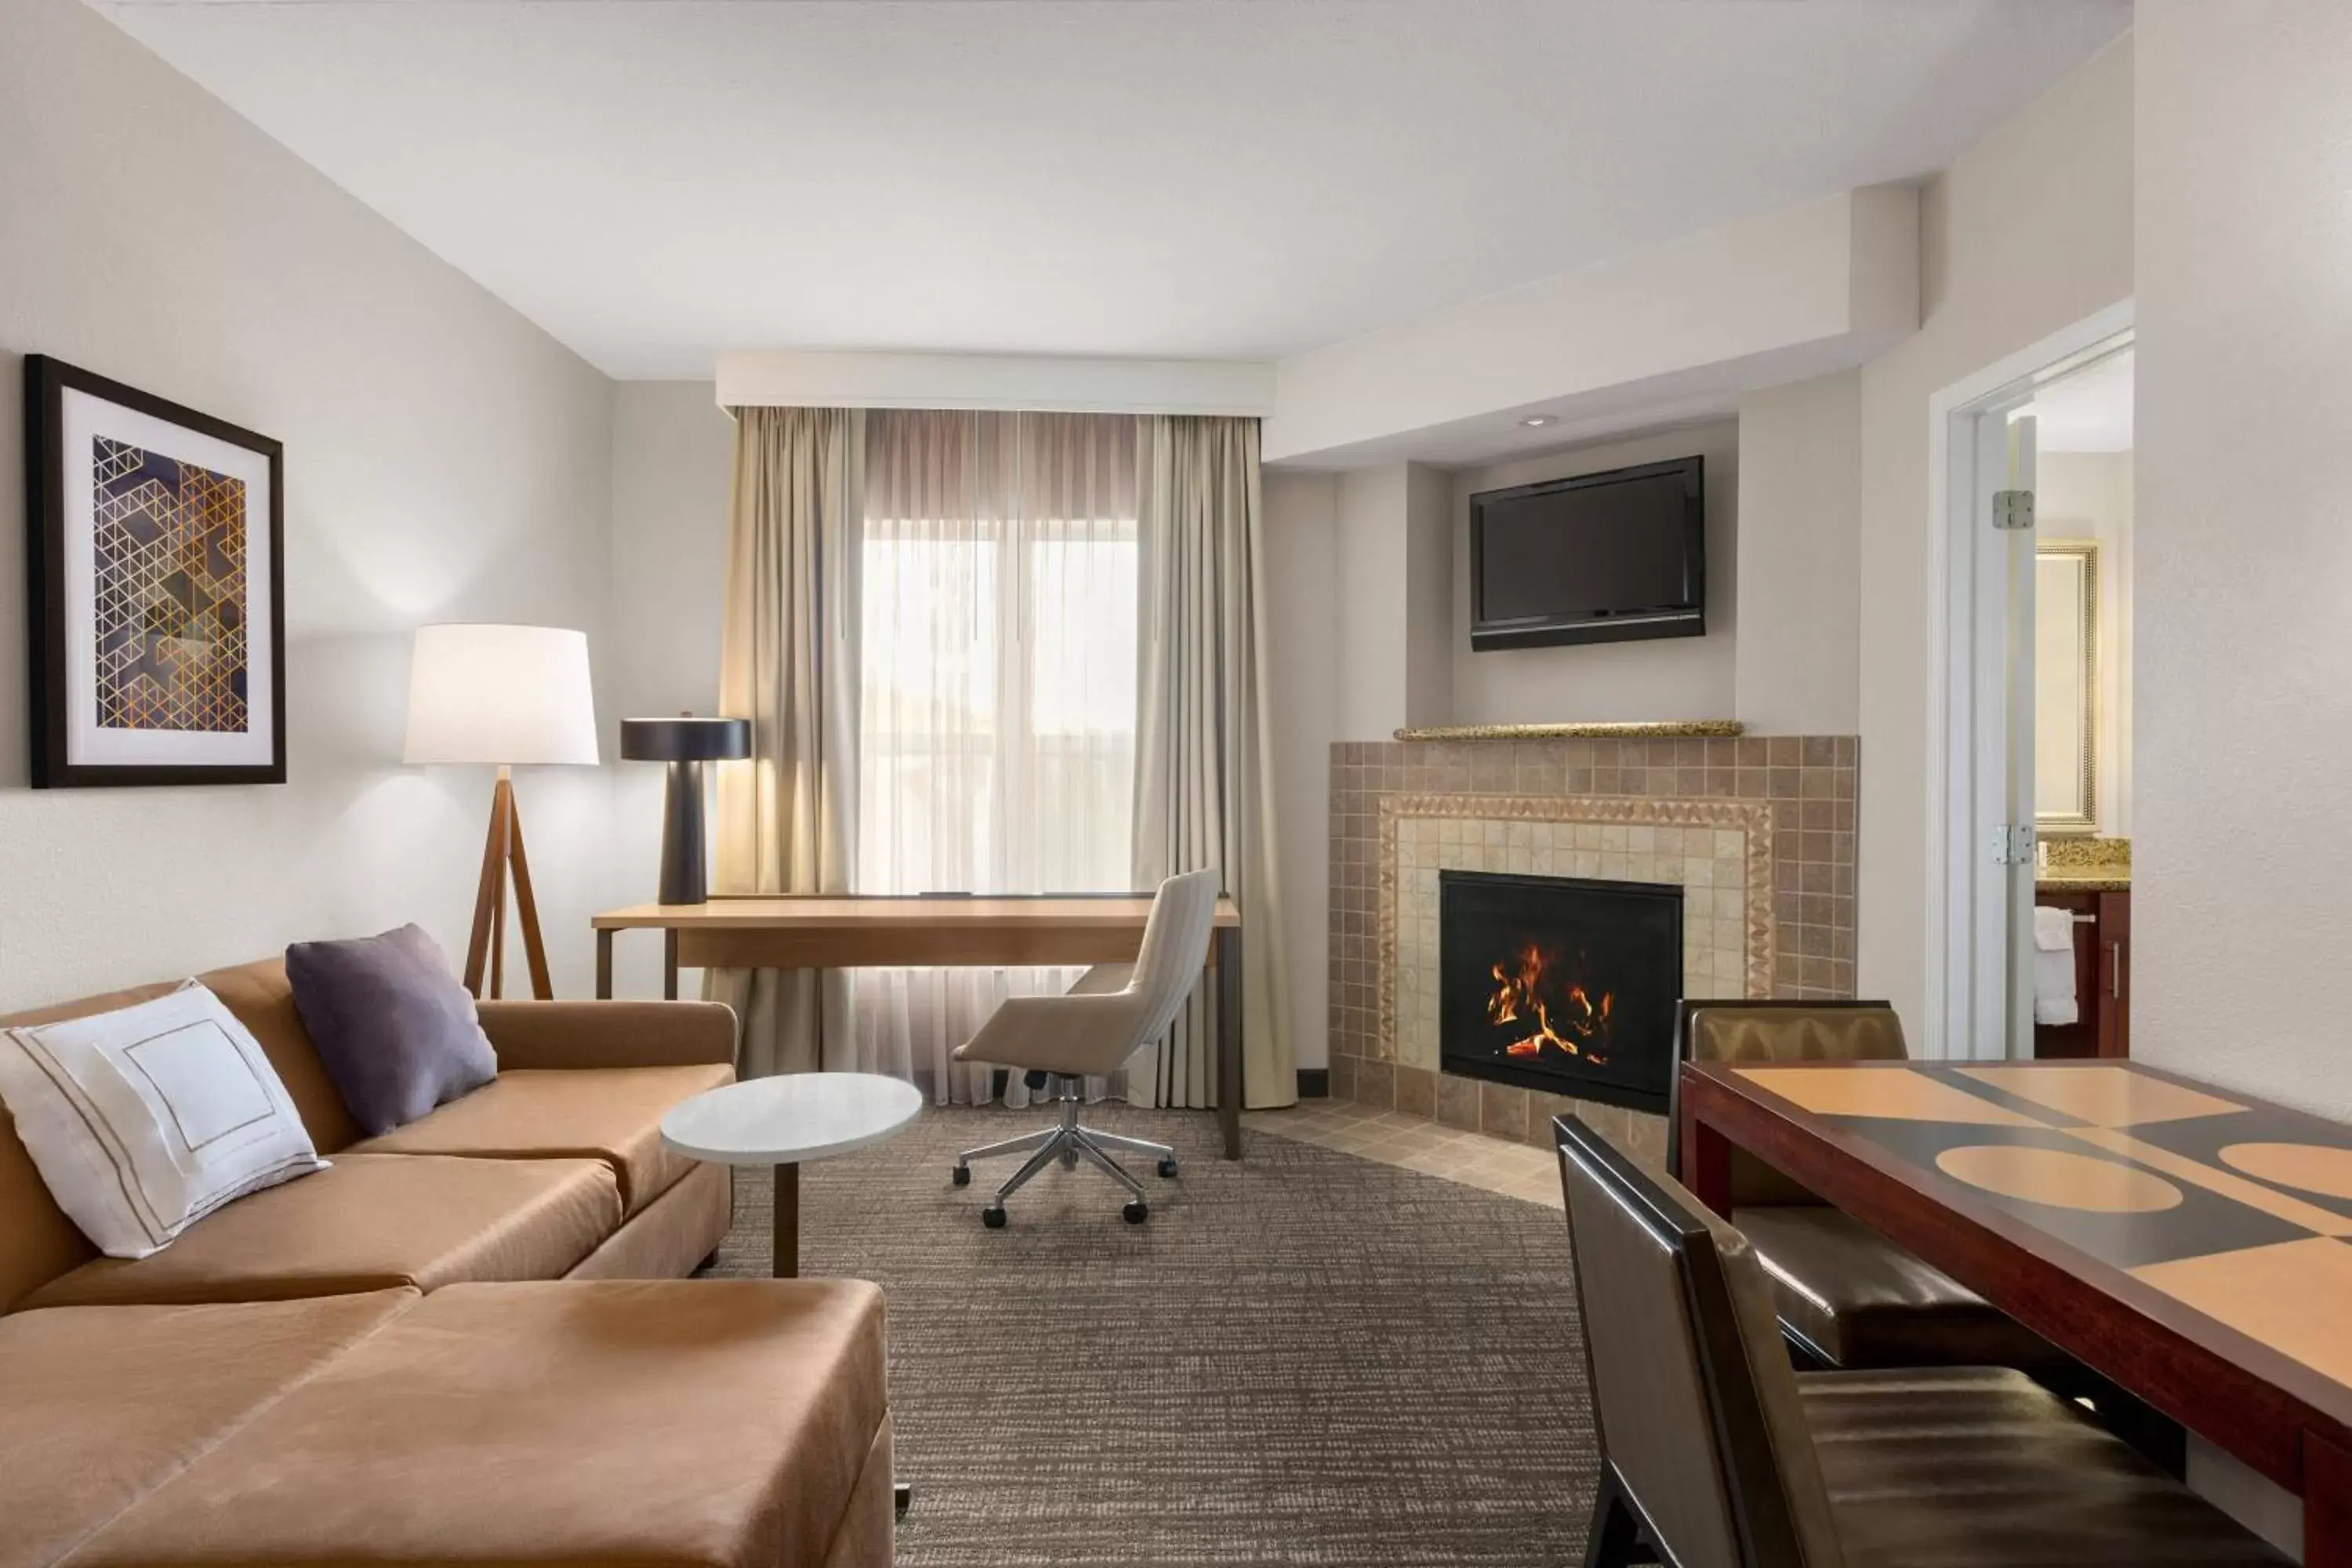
{"type": "Point", "coordinates": [467, 1342]}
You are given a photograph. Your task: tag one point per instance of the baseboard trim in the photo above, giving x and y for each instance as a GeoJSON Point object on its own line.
{"type": "Point", "coordinates": [1313, 1083]}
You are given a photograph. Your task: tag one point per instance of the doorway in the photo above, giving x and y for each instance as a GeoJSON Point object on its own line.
{"type": "Point", "coordinates": [2031, 717]}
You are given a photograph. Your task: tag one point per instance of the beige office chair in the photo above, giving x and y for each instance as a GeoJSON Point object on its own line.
{"type": "Point", "coordinates": [1113, 1012]}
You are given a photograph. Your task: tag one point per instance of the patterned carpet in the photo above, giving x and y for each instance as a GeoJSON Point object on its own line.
{"type": "Point", "coordinates": [1303, 1358]}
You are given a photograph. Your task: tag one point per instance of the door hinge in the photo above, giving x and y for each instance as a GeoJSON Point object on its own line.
{"type": "Point", "coordinates": [2012, 508]}
{"type": "Point", "coordinates": [2012, 844]}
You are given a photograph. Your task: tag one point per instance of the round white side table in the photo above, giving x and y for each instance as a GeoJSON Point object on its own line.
{"type": "Point", "coordinates": [784, 1121]}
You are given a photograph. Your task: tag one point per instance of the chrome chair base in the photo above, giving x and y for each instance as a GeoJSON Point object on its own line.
{"type": "Point", "coordinates": [1068, 1142]}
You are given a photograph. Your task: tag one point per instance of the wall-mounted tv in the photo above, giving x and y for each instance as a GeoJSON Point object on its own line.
{"type": "Point", "coordinates": [1599, 558]}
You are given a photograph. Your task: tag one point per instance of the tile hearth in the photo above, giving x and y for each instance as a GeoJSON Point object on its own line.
{"type": "Point", "coordinates": [1510, 1167]}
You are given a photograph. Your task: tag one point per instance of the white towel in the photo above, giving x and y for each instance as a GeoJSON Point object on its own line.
{"type": "Point", "coordinates": [2053, 930]}
{"type": "Point", "coordinates": [2054, 966]}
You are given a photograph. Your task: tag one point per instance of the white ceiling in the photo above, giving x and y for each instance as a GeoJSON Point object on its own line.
{"type": "Point", "coordinates": [2089, 411]}
{"type": "Point", "coordinates": [657, 181]}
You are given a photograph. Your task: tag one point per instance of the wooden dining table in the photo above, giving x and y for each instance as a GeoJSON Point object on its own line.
{"type": "Point", "coordinates": [2191, 1244]}
{"type": "Point", "coordinates": [870, 931]}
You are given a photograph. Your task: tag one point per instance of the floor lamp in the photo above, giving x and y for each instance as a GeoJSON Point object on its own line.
{"type": "Point", "coordinates": [509, 696]}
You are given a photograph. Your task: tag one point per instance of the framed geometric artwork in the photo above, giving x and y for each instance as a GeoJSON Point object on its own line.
{"type": "Point", "coordinates": [154, 537]}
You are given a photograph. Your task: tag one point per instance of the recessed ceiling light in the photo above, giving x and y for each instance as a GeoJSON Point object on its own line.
{"type": "Point", "coordinates": [1538, 421]}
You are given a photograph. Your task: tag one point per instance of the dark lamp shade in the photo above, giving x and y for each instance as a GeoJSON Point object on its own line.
{"type": "Point", "coordinates": [685, 740]}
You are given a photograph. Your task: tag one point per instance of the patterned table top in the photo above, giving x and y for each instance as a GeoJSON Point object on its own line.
{"type": "Point", "coordinates": [2240, 1210]}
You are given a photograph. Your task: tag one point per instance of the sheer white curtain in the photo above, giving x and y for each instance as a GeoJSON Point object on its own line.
{"type": "Point", "coordinates": [996, 737]}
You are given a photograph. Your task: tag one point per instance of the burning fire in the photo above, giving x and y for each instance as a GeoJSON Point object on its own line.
{"type": "Point", "coordinates": [1580, 1027]}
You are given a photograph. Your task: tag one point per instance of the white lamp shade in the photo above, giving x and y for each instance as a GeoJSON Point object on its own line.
{"type": "Point", "coordinates": [500, 694]}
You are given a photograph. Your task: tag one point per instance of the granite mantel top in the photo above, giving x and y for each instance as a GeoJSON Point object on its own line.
{"type": "Point", "coordinates": [1668, 729]}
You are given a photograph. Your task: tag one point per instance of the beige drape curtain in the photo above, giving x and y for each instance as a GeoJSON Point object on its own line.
{"type": "Point", "coordinates": [1203, 769]}
{"type": "Point", "coordinates": [789, 662]}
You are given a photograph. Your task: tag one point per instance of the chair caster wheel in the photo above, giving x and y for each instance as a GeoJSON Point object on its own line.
{"type": "Point", "coordinates": [1168, 1166]}
{"type": "Point", "coordinates": [992, 1216]}
{"type": "Point", "coordinates": [962, 1177]}
{"type": "Point", "coordinates": [1136, 1213]}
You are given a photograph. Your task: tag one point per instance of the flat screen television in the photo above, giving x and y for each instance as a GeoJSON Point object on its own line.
{"type": "Point", "coordinates": [1599, 558]}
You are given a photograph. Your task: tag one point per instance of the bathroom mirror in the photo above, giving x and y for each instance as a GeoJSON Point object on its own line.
{"type": "Point", "coordinates": [2066, 686]}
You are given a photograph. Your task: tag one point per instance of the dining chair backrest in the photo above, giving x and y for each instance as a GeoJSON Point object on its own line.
{"type": "Point", "coordinates": [1774, 1031]}
{"type": "Point", "coordinates": [1697, 1409]}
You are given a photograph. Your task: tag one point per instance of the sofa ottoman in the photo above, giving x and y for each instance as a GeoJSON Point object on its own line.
{"type": "Point", "coordinates": [101, 1406]}
{"type": "Point", "coordinates": [703, 1424]}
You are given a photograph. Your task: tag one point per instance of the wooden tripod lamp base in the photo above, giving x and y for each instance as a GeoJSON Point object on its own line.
{"type": "Point", "coordinates": [502, 857]}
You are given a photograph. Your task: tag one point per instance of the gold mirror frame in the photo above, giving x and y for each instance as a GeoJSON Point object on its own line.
{"type": "Point", "coordinates": [2083, 817]}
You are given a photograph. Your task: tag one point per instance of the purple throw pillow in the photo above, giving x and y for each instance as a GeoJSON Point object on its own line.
{"type": "Point", "coordinates": [395, 1030]}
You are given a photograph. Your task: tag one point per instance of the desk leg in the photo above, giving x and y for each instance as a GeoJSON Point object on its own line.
{"type": "Point", "coordinates": [788, 1223]}
{"type": "Point", "coordinates": [669, 964]}
{"type": "Point", "coordinates": [2326, 1504]}
{"type": "Point", "coordinates": [1229, 1037]}
{"type": "Point", "coordinates": [603, 966]}
{"type": "Point", "coordinates": [1706, 1162]}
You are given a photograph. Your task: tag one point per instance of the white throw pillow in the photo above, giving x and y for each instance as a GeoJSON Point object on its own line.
{"type": "Point", "coordinates": [145, 1120]}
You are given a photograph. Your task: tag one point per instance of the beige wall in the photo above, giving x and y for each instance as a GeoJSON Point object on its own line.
{"type": "Point", "coordinates": [1800, 530]}
{"type": "Point", "coordinates": [672, 455]}
{"type": "Point", "coordinates": [2244, 309]}
{"type": "Point", "coordinates": [1304, 673]}
{"type": "Point", "coordinates": [2028, 232]}
{"type": "Point", "coordinates": [1369, 567]}
{"type": "Point", "coordinates": [1429, 597]}
{"type": "Point", "coordinates": [445, 460]}
{"type": "Point", "coordinates": [1392, 569]}
{"type": "Point", "coordinates": [1673, 677]}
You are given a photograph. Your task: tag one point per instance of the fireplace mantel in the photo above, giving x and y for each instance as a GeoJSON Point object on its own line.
{"type": "Point", "coordinates": [1656, 730]}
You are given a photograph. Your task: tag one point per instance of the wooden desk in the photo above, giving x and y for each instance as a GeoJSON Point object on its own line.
{"type": "Point", "coordinates": [913, 933]}
{"type": "Point", "coordinates": [2194, 1245]}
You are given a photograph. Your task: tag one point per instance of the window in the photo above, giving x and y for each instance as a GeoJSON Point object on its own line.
{"type": "Point", "coordinates": [997, 723]}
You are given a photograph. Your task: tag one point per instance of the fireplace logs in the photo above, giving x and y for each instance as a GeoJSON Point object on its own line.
{"type": "Point", "coordinates": [1560, 983]}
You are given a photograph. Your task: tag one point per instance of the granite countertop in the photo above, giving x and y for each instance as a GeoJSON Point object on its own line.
{"type": "Point", "coordinates": [2084, 865]}
{"type": "Point", "coordinates": [2072, 880]}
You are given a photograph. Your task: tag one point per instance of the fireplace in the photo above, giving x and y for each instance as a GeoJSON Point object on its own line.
{"type": "Point", "coordinates": [1561, 983]}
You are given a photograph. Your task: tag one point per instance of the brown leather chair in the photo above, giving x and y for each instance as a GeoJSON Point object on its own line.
{"type": "Point", "coordinates": [1846, 1296]}
{"type": "Point", "coordinates": [1716, 1453]}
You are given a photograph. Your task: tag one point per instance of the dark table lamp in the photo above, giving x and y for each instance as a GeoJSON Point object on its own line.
{"type": "Point", "coordinates": [685, 742]}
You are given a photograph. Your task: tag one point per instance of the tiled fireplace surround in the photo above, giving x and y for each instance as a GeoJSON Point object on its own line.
{"type": "Point", "coordinates": [1758, 830]}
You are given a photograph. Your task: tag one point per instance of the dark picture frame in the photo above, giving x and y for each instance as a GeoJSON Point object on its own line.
{"type": "Point", "coordinates": [72, 750]}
